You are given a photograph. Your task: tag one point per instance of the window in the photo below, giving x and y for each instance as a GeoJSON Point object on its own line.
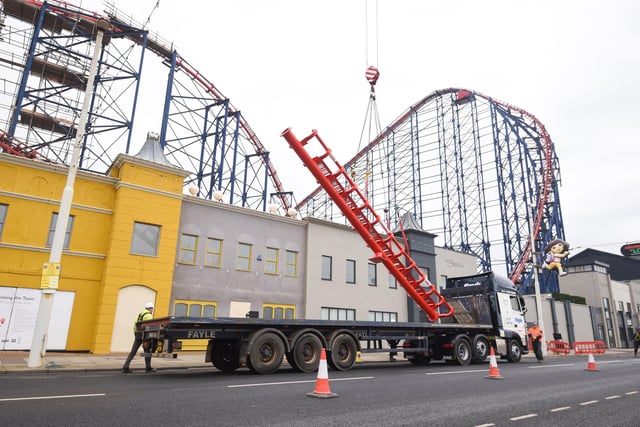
{"type": "Point", "coordinates": [383, 316]}
{"type": "Point", "coordinates": [243, 262]}
{"type": "Point", "coordinates": [600, 269]}
{"type": "Point", "coordinates": [291, 264]}
{"type": "Point", "coordinates": [334, 313]}
{"type": "Point", "coordinates": [325, 273]}
{"type": "Point", "coordinates": [145, 239]}
{"type": "Point", "coordinates": [52, 229]}
{"type": "Point", "coordinates": [213, 257]}
{"type": "Point", "coordinates": [278, 311]}
{"type": "Point", "coordinates": [351, 271]}
{"type": "Point", "coordinates": [425, 271]}
{"type": "Point", "coordinates": [373, 274]}
{"type": "Point", "coordinates": [271, 261]}
{"type": "Point", "coordinates": [393, 282]}
{"type": "Point", "coordinates": [188, 249]}
{"type": "Point", "coordinates": [3, 216]}
{"type": "Point", "coordinates": [620, 306]}
{"type": "Point", "coordinates": [183, 308]}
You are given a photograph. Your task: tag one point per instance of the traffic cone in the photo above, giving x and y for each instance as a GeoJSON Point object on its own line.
{"type": "Point", "coordinates": [591, 364]}
{"type": "Point", "coordinates": [322, 383]}
{"type": "Point", "coordinates": [494, 373]}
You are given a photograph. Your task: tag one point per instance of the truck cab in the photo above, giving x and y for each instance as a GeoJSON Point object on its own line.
{"type": "Point", "coordinates": [490, 299]}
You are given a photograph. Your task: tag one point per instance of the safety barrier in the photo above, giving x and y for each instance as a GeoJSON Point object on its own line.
{"type": "Point", "coordinates": [559, 347]}
{"type": "Point", "coordinates": [589, 347]}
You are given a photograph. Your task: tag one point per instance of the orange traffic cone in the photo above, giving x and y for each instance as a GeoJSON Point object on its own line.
{"type": "Point", "coordinates": [591, 364]}
{"type": "Point", "coordinates": [494, 373]}
{"type": "Point", "coordinates": [322, 383]}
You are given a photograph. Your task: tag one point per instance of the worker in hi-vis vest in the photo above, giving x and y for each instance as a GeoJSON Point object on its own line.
{"type": "Point", "coordinates": [536, 340]}
{"type": "Point", "coordinates": [146, 314]}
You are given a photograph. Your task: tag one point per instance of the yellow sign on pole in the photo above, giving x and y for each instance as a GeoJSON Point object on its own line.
{"type": "Point", "coordinates": [50, 275]}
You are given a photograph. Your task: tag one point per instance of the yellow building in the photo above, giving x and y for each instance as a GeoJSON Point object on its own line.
{"type": "Point", "coordinates": [119, 249]}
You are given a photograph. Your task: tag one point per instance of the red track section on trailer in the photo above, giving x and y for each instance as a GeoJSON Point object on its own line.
{"type": "Point", "coordinates": [356, 208]}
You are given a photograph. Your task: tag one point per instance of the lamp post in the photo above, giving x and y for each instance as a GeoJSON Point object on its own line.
{"type": "Point", "coordinates": [51, 270]}
{"type": "Point", "coordinates": [536, 283]}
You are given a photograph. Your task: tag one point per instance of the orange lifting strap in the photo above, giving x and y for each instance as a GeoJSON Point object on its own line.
{"type": "Point", "coordinates": [354, 206]}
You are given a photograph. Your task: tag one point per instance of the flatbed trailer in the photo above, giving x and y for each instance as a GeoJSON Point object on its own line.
{"type": "Point", "coordinates": [488, 312]}
{"type": "Point", "coordinates": [263, 344]}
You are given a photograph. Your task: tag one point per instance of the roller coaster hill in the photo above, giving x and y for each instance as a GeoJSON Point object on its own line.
{"type": "Point", "coordinates": [479, 173]}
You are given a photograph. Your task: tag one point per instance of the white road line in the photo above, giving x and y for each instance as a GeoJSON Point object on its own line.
{"type": "Point", "coordinates": [68, 396]}
{"type": "Point", "coordinates": [298, 382]}
{"type": "Point", "coordinates": [562, 408]}
{"type": "Point", "coordinates": [550, 366]}
{"type": "Point", "coordinates": [455, 372]}
{"type": "Point", "coordinates": [611, 397]}
{"type": "Point", "coordinates": [485, 425]}
{"type": "Point", "coordinates": [591, 402]}
{"type": "Point", "coordinates": [523, 417]}
{"type": "Point", "coordinates": [631, 392]}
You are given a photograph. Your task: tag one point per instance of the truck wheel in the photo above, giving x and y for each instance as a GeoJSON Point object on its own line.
{"type": "Point", "coordinates": [305, 356]}
{"type": "Point", "coordinates": [343, 353]}
{"type": "Point", "coordinates": [480, 348]}
{"type": "Point", "coordinates": [225, 355]}
{"type": "Point", "coordinates": [461, 352]}
{"type": "Point", "coordinates": [514, 351]}
{"type": "Point", "coordinates": [266, 353]}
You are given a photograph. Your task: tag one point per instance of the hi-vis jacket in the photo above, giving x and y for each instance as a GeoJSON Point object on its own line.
{"type": "Point", "coordinates": [144, 315]}
{"type": "Point", "coordinates": [535, 332]}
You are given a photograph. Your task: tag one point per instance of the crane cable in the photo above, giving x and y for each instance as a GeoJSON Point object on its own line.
{"type": "Point", "coordinates": [371, 120]}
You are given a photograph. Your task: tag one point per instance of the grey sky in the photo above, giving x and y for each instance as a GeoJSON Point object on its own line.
{"type": "Point", "coordinates": [300, 64]}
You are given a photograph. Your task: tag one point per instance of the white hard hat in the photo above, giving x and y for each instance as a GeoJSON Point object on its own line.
{"type": "Point", "coordinates": [149, 305]}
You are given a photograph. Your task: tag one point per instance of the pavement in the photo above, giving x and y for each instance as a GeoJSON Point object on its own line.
{"type": "Point", "coordinates": [17, 361]}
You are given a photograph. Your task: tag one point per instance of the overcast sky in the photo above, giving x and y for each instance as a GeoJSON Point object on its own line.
{"type": "Point", "coordinates": [573, 64]}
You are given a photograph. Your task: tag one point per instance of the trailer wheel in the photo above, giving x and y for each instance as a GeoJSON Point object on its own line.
{"type": "Point", "coordinates": [461, 352]}
{"type": "Point", "coordinates": [514, 351]}
{"type": "Point", "coordinates": [225, 355]}
{"type": "Point", "coordinates": [266, 353]}
{"type": "Point", "coordinates": [343, 352]}
{"type": "Point", "coordinates": [480, 348]}
{"type": "Point", "coordinates": [305, 356]}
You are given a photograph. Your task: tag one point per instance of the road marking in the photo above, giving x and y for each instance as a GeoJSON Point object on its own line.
{"type": "Point", "coordinates": [68, 396]}
{"type": "Point", "coordinates": [631, 392]}
{"type": "Point", "coordinates": [298, 382]}
{"type": "Point", "coordinates": [455, 372]}
{"type": "Point", "coordinates": [523, 417]}
{"type": "Point", "coordinates": [611, 397]}
{"type": "Point", "coordinates": [550, 366]}
{"type": "Point", "coordinates": [562, 408]}
{"type": "Point", "coordinates": [590, 402]}
{"type": "Point", "coordinates": [485, 425]}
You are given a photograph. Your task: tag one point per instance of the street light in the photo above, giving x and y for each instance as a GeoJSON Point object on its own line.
{"type": "Point", "coordinates": [51, 270]}
{"type": "Point", "coordinates": [534, 270]}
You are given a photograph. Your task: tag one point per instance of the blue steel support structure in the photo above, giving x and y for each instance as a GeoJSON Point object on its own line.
{"type": "Point", "coordinates": [200, 130]}
{"type": "Point", "coordinates": [469, 168]}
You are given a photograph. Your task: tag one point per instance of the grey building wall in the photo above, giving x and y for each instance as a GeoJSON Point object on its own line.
{"type": "Point", "coordinates": [572, 321]}
{"type": "Point", "coordinates": [205, 218]}
{"type": "Point", "coordinates": [342, 243]}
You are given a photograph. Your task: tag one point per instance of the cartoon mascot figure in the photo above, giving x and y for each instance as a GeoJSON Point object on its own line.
{"type": "Point", "coordinates": [554, 252]}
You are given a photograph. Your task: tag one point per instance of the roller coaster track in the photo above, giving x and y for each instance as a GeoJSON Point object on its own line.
{"type": "Point", "coordinates": [61, 19]}
{"type": "Point", "coordinates": [459, 125]}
